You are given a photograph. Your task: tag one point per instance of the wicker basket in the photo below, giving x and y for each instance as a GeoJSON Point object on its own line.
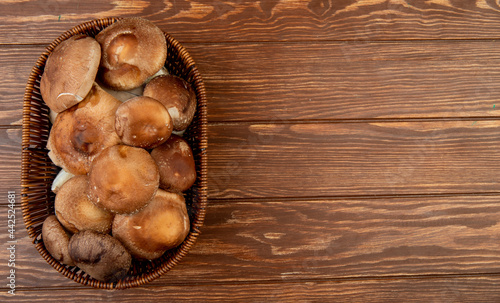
{"type": "Point", "coordinates": [38, 171]}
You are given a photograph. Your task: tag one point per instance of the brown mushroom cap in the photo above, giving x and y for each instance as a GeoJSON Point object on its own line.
{"type": "Point", "coordinates": [133, 49]}
{"type": "Point", "coordinates": [123, 179]}
{"type": "Point", "coordinates": [176, 164]}
{"type": "Point", "coordinates": [160, 226]}
{"type": "Point", "coordinates": [56, 239]}
{"type": "Point", "coordinates": [76, 212]}
{"type": "Point", "coordinates": [178, 97]}
{"type": "Point", "coordinates": [81, 132]}
{"type": "Point", "coordinates": [101, 256]}
{"type": "Point", "coordinates": [69, 72]}
{"type": "Point", "coordinates": [143, 122]}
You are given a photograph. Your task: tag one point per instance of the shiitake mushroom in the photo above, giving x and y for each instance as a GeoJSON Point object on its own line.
{"type": "Point", "coordinates": [69, 72]}
{"type": "Point", "coordinates": [175, 163]}
{"type": "Point", "coordinates": [143, 122]}
{"type": "Point", "coordinates": [81, 132]}
{"type": "Point", "coordinates": [56, 240]}
{"type": "Point", "coordinates": [163, 224]}
{"type": "Point", "coordinates": [76, 212]}
{"type": "Point", "coordinates": [123, 179]}
{"type": "Point", "coordinates": [101, 256]}
{"type": "Point", "coordinates": [176, 95]}
{"type": "Point", "coordinates": [133, 49]}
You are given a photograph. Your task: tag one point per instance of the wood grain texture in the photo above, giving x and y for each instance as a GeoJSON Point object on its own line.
{"type": "Point", "coordinates": [321, 81]}
{"type": "Point", "coordinates": [10, 159]}
{"type": "Point", "coordinates": [330, 81]}
{"type": "Point", "coordinates": [353, 148]}
{"type": "Point", "coordinates": [438, 290]}
{"type": "Point", "coordinates": [246, 20]}
{"type": "Point", "coordinates": [15, 65]}
{"type": "Point", "coordinates": [350, 159]}
{"type": "Point", "coordinates": [295, 240]}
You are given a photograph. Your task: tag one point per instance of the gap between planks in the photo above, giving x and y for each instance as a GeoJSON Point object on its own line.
{"type": "Point", "coordinates": [351, 197]}
{"type": "Point", "coordinates": [281, 42]}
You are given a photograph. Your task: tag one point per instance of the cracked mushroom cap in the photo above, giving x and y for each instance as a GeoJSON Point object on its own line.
{"type": "Point", "coordinates": [175, 163]}
{"type": "Point", "coordinates": [56, 240]}
{"type": "Point", "coordinates": [143, 122]}
{"type": "Point", "coordinates": [76, 212]}
{"type": "Point", "coordinates": [101, 256]}
{"type": "Point", "coordinates": [162, 225]}
{"type": "Point", "coordinates": [133, 49]}
{"type": "Point", "coordinates": [81, 132]}
{"type": "Point", "coordinates": [177, 95]}
{"type": "Point", "coordinates": [69, 72]}
{"type": "Point", "coordinates": [123, 179]}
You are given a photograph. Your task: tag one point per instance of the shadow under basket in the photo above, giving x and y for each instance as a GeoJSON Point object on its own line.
{"type": "Point", "coordinates": [38, 171]}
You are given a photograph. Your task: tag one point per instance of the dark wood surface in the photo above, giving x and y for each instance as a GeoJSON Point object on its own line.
{"type": "Point", "coordinates": [353, 149]}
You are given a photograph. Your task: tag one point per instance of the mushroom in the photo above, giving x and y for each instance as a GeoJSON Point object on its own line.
{"type": "Point", "coordinates": [76, 212]}
{"type": "Point", "coordinates": [123, 179]}
{"type": "Point", "coordinates": [178, 97]}
{"type": "Point", "coordinates": [56, 240]}
{"type": "Point", "coordinates": [81, 132]}
{"type": "Point", "coordinates": [162, 225]}
{"type": "Point", "coordinates": [133, 49]}
{"type": "Point", "coordinates": [176, 164]}
{"type": "Point", "coordinates": [69, 72]}
{"type": "Point", "coordinates": [101, 256]}
{"type": "Point", "coordinates": [143, 122]}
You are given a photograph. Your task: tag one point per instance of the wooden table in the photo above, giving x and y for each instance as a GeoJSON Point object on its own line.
{"type": "Point", "coordinates": [354, 149]}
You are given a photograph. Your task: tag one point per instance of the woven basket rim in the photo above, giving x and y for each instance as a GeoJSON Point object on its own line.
{"type": "Point", "coordinates": [179, 252]}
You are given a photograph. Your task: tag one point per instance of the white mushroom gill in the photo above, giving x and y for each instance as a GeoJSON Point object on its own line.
{"type": "Point", "coordinates": [60, 179]}
{"type": "Point", "coordinates": [52, 116]}
{"type": "Point", "coordinates": [78, 98]}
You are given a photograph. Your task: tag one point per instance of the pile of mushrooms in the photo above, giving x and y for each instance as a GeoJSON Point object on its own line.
{"type": "Point", "coordinates": [118, 119]}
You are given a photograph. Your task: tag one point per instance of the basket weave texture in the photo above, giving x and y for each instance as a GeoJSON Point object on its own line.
{"type": "Point", "coordinates": [38, 171]}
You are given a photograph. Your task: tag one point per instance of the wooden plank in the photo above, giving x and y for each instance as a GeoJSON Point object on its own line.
{"type": "Point", "coordinates": [439, 289]}
{"type": "Point", "coordinates": [303, 239]}
{"type": "Point", "coordinates": [328, 81]}
{"type": "Point", "coordinates": [15, 65]}
{"type": "Point", "coordinates": [321, 81]}
{"type": "Point", "coordinates": [337, 159]}
{"type": "Point", "coordinates": [353, 159]}
{"type": "Point", "coordinates": [242, 20]}
{"type": "Point", "coordinates": [10, 157]}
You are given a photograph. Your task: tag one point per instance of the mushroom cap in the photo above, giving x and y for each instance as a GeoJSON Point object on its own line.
{"type": "Point", "coordinates": [81, 132]}
{"type": "Point", "coordinates": [178, 97]}
{"type": "Point", "coordinates": [101, 256]}
{"type": "Point", "coordinates": [76, 212]}
{"type": "Point", "coordinates": [143, 122]}
{"type": "Point", "coordinates": [56, 239]}
{"type": "Point", "coordinates": [176, 165]}
{"type": "Point", "coordinates": [133, 49]}
{"type": "Point", "coordinates": [69, 72]}
{"type": "Point", "coordinates": [123, 179]}
{"type": "Point", "coordinates": [162, 225]}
